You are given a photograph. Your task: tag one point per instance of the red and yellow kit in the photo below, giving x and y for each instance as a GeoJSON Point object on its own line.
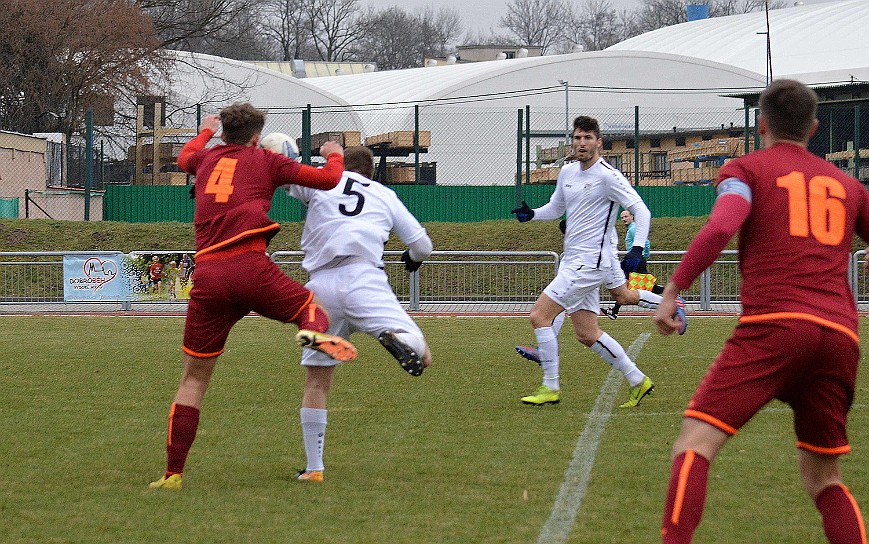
{"type": "Point", "coordinates": [797, 335]}
{"type": "Point", "coordinates": [234, 276]}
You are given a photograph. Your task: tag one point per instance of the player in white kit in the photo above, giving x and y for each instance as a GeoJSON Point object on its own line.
{"type": "Point", "coordinates": [590, 192]}
{"type": "Point", "coordinates": [343, 238]}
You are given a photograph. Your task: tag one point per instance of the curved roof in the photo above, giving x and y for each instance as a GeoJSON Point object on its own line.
{"type": "Point", "coordinates": [471, 109]}
{"type": "Point", "coordinates": [214, 82]}
{"type": "Point", "coordinates": [808, 39]}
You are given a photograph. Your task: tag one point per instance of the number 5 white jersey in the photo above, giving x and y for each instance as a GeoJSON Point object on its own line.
{"type": "Point", "coordinates": [352, 220]}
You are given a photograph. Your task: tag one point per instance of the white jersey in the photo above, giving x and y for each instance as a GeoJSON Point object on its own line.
{"type": "Point", "coordinates": [591, 200]}
{"type": "Point", "coordinates": [353, 219]}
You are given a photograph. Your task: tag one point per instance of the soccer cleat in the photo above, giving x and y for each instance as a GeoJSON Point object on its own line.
{"type": "Point", "coordinates": [612, 314]}
{"type": "Point", "coordinates": [681, 316]}
{"type": "Point", "coordinates": [333, 346]}
{"type": "Point", "coordinates": [172, 483]}
{"type": "Point", "coordinates": [529, 353]}
{"type": "Point", "coordinates": [310, 475]}
{"type": "Point", "coordinates": [542, 395]}
{"type": "Point", "coordinates": [639, 392]}
{"type": "Point", "coordinates": [404, 354]}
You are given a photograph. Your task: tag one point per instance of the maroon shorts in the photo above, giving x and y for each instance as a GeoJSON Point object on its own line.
{"type": "Point", "coordinates": [225, 290]}
{"type": "Point", "coordinates": [809, 366]}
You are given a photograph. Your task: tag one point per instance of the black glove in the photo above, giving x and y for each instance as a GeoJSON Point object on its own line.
{"type": "Point", "coordinates": [562, 226]}
{"type": "Point", "coordinates": [633, 259]}
{"type": "Point", "coordinates": [409, 264]}
{"type": "Point", "coordinates": [523, 213]}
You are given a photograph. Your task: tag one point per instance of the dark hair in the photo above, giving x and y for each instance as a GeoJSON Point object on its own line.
{"type": "Point", "coordinates": [240, 122]}
{"type": "Point", "coordinates": [789, 108]}
{"type": "Point", "coordinates": [587, 124]}
{"type": "Point", "coordinates": [359, 159]}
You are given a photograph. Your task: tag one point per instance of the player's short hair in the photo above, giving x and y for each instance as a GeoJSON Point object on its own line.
{"type": "Point", "coordinates": [240, 122]}
{"type": "Point", "coordinates": [587, 124]}
{"type": "Point", "coordinates": [359, 159]}
{"type": "Point", "coordinates": [789, 108]}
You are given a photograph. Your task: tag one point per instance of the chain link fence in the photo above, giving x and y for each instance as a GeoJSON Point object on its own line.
{"type": "Point", "coordinates": [468, 143]}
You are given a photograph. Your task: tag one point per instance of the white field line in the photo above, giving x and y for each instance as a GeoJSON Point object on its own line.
{"type": "Point", "coordinates": [560, 523]}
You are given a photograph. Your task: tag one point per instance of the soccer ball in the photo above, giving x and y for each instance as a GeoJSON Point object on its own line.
{"type": "Point", "coordinates": [280, 143]}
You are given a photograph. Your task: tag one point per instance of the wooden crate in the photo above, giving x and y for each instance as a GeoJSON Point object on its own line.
{"type": "Point", "coordinates": [399, 139]}
{"type": "Point", "coordinates": [348, 138]}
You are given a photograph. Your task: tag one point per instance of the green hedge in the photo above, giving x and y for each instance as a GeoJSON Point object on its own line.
{"type": "Point", "coordinates": [456, 204]}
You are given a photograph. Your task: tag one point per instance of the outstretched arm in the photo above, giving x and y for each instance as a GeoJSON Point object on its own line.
{"type": "Point", "coordinates": [208, 128]}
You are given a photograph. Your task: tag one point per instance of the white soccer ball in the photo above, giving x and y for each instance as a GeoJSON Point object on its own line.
{"type": "Point", "coordinates": [280, 143]}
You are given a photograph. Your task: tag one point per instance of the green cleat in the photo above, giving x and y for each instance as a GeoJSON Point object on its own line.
{"type": "Point", "coordinates": [639, 392]}
{"type": "Point", "coordinates": [172, 483]}
{"type": "Point", "coordinates": [542, 395]}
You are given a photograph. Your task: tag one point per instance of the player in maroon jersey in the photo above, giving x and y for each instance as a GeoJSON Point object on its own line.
{"type": "Point", "coordinates": [234, 186]}
{"type": "Point", "coordinates": [796, 340]}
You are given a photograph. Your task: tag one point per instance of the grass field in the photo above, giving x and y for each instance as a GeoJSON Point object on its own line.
{"type": "Point", "coordinates": [451, 456]}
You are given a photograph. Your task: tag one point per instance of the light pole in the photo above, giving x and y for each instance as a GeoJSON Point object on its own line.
{"type": "Point", "coordinates": [566, 110]}
{"type": "Point", "coordinates": [768, 57]}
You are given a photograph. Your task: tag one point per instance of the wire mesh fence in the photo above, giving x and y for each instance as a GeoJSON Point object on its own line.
{"type": "Point", "coordinates": [467, 143]}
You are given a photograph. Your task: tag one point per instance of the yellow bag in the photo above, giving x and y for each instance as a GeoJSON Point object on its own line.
{"type": "Point", "coordinates": [641, 281]}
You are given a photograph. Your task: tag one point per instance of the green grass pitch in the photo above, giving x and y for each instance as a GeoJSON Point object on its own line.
{"type": "Point", "coordinates": [449, 457]}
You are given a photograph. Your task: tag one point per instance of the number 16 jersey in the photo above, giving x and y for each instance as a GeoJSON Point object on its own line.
{"type": "Point", "coordinates": [796, 243]}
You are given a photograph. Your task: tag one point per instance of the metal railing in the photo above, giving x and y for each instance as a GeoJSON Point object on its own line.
{"type": "Point", "coordinates": [450, 281]}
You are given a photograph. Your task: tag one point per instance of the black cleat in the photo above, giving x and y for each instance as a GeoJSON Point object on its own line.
{"type": "Point", "coordinates": [404, 354]}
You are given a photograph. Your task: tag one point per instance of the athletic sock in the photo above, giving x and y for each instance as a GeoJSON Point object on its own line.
{"type": "Point", "coordinates": [183, 422]}
{"type": "Point", "coordinates": [648, 299]}
{"type": "Point", "coordinates": [547, 347]}
{"type": "Point", "coordinates": [843, 522]}
{"type": "Point", "coordinates": [613, 353]}
{"type": "Point", "coordinates": [685, 497]}
{"type": "Point", "coordinates": [557, 323]}
{"type": "Point", "coordinates": [314, 435]}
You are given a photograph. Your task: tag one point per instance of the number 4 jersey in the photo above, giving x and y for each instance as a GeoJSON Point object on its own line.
{"type": "Point", "coordinates": [795, 245]}
{"type": "Point", "coordinates": [235, 185]}
{"type": "Point", "coordinates": [353, 220]}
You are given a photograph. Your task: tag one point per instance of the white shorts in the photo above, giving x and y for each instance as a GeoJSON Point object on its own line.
{"type": "Point", "coordinates": [577, 287]}
{"type": "Point", "coordinates": [358, 298]}
{"type": "Point", "coordinates": [615, 275]}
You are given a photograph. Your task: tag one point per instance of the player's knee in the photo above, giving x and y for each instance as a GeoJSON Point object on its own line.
{"type": "Point", "coordinates": [313, 318]}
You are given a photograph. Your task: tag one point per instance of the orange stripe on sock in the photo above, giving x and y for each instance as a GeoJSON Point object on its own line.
{"type": "Point", "coordinates": [681, 485]}
{"type": "Point", "coordinates": [857, 513]}
{"type": "Point", "coordinates": [715, 422]}
{"type": "Point", "coordinates": [824, 451]}
{"type": "Point", "coordinates": [797, 315]}
{"type": "Point", "coordinates": [312, 311]}
{"type": "Point", "coordinates": [171, 417]}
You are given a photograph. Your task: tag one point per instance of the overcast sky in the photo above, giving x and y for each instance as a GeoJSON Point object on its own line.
{"type": "Point", "coordinates": [484, 14]}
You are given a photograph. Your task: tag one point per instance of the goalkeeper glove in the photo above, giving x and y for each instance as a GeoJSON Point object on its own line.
{"type": "Point", "coordinates": [523, 213]}
{"type": "Point", "coordinates": [632, 259]}
{"type": "Point", "coordinates": [409, 264]}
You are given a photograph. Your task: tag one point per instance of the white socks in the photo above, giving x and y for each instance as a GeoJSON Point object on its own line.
{"type": "Point", "coordinates": [613, 353]}
{"type": "Point", "coordinates": [314, 435]}
{"type": "Point", "coordinates": [547, 347]}
{"type": "Point", "coordinates": [648, 299]}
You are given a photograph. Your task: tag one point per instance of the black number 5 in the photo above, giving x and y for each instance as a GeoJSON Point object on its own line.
{"type": "Point", "coordinates": [349, 191]}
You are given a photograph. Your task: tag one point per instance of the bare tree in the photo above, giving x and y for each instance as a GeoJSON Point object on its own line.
{"type": "Point", "coordinates": [380, 42]}
{"type": "Point", "coordinates": [178, 23]}
{"type": "Point", "coordinates": [438, 30]}
{"type": "Point", "coordinates": [288, 26]}
{"type": "Point", "coordinates": [333, 27]}
{"type": "Point", "coordinates": [51, 72]}
{"type": "Point", "coordinates": [536, 22]}
{"type": "Point", "coordinates": [595, 26]}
